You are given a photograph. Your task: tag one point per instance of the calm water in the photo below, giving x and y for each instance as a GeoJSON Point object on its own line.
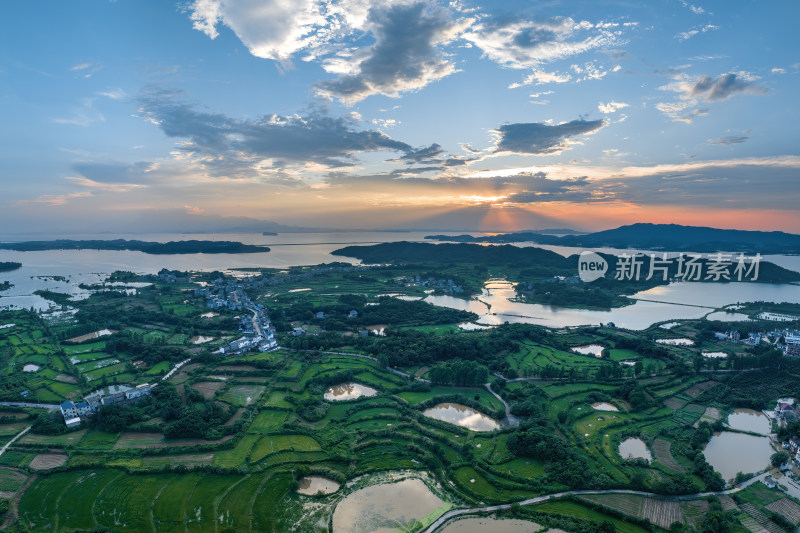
{"type": "Point", "coordinates": [591, 349]}
{"type": "Point", "coordinates": [604, 406]}
{"type": "Point", "coordinates": [312, 485]}
{"type": "Point", "coordinates": [384, 508]}
{"type": "Point", "coordinates": [495, 525]}
{"type": "Point", "coordinates": [730, 453]}
{"type": "Point", "coordinates": [676, 342]}
{"type": "Point", "coordinates": [750, 420]}
{"type": "Point", "coordinates": [634, 448]}
{"type": "Point", "coordinates": [669, 302]}
{"type": "Point", "coordinates": [463, 416]}
{"type": "Point", "coordinates": [349, 391]}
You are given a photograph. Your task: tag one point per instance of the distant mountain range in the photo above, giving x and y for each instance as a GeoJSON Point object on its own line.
{"type": "Point", "coordinates": [667, 237]}
{"type": "Point", "coordinates": [156, 248]}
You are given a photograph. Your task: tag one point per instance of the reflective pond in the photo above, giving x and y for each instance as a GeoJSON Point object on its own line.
{"type": "Point", "coordinates": [348, 391]}
{"type": "Point", "coordinates": [633, 448]}
{"type": "Point", "coordinates": [463, 416]}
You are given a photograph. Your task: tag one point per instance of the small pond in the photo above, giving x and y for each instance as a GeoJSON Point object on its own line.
{"type": "Point", "coordinates": [348, 391]}
{"type": "Point", "coordinates": [385, 507]}
{"type": "Point", "coordinates": [676, 342]}
{"type": "Point", "coordinates": [750, 420]}
{"type": "Point", "coordinates": [590, 349]}
{"type": "Point", "coordinates": [730, 453]}
{"type": "Point", "coordinates": [495, 525]}
{"type": "Point", "coordinates": [715, 355]}
{"type": "Point", "coordinates": [30, 367]}
{"type": "Point", "coordinates": [604, 406]}
{"type": "Point", "coordinates": [200, 339]}
{"type": "Point", "coordinates": [311, 485]}
{"type": "Point", "coordinates": [727, 316]}
{"type": "Point", "coordinates": [633, 448]}
{"type": "Point", "coordinates": [463, 416]}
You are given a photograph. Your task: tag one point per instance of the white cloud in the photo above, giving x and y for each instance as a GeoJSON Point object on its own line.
{"type": "Point", "coordinates": [778, 70]}
{"type": "Point", "coordinates": [86, 69]}
{"type": "Point", "coordinates": [529, 43]}
{"type": "Point", "coordinates": [541, 77]}
{"type": "Point", "coordinates": [85, 115]}
{"type": "Point", "coordinates": [611, 107]}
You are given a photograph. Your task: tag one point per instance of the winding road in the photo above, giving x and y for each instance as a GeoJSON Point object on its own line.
{"type": "Point", "coordinates": [446, 517]}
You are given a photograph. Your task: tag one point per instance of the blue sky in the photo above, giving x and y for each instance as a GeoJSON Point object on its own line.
{"type": "Point", "coordinates": [434, 115]}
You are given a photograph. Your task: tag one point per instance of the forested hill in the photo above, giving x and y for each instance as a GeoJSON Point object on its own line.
{"type": "Point", "coordinates": [672, 237]}
{"type": "Point", "coordinates": [420, 252]}
{"type": "Point", "coordinates": [172, 247]}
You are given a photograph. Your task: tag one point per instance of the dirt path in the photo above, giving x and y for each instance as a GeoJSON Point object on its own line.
{"type": "Point", "coordinates": [9, 443]}
{"type": "Point", "coordinates": [13, 506]}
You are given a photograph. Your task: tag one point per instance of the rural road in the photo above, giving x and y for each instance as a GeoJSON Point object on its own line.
{"type": "Point", "coordinates": [9, 443]}
{"type": "Point", "coordinates": [442, 520]}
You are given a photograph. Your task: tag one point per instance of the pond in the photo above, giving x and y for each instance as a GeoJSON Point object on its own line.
{"type": "Point", "coordinates": [727, 316]}
{"type": "Point", "coordinates": [200, 339]}
{"type": "Point", "coordinates": [348, 391]}
{"type": "Point", "coordinates": [385, 507]}
{"type": "Point", "coordinates": [676, 342]}
{"type": "Point", "coordinates": [633, 448]}
{"type": "Point", "coordinates": [463, 416]}
{"type": "Point", "coordinates": [30, 367]}
{"type": "Point", "coordinates": [495, 525]}
{"type": "Point", "coordinates": [750, 420]}
{"type": "Point", "coordinates": [730, 453]}
{"type": "Point", "coordinates": [715, 355]}
{"type": "Point", "coordinates": [604, 406]}
{"type": "Point", "coordinates": [312, 485]}
{"type": "Point", "coordinates": [590, 349]}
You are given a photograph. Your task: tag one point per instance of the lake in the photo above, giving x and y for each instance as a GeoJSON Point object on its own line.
{"type": "Point", "coordinates": [730, 453]}
{"type": "Point", "coordinates": [750, 420]}
{"type": "Point", "coordinates": [348, 391]}
{"type": "Point", "coordinates": [683, 300]}
{"type": "Point", "coordinates": [384, 507]}
{"type": "Point", "coordinates": [633, 448]}
{"type": "Point", "coordinates": [463, 416]}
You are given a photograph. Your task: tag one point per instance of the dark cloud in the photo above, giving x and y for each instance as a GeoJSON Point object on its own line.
{"type": "Point", "coordinates": [731, 139]}
{"type": "Point", "coordinates": [405, 55]}
{"type": "Point", "coordinates": [538, 138]}
{"type": "Point", "coordinates": [235, 145]}
{"type": "Point", "coordinates": [723, 87]}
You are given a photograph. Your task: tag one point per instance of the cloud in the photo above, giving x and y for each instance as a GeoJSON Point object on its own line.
{"type": "Point", "coordinates": [56, 199]}
{"type": "Point", "coordinates": [778, 70]}
{"type": "Point", "coordinates": [86, 70]}
{"type": "Point", "coordinates": [686, 35]}
{"type": "Point", "coordinates": [705, 88]}
{"type": "Point", "coordinates": [538, 138]}
{"type": "Point", "coordinates": [85, 115]}
{"type": "Point", "coordinates": [697, 10]}
{"type": "Point", "coordinates": [114, 94]}
{"type": "Point", "coordinates": [235, 147]}
{"type": "Point", "coordinates": [541, 77]}
{"type": "Point", "coordinates": [100, 186]}
{"type": "Point", "coordinates": [114, 172]}
{"type": "Point", "coordinates": [611, 107]}
{"type": "Point", "coordinates": [723, 87]}
{"type": "Point", "coordinates": [406, 55]}
{"type": "Point", "coordinates": [731, 139]}
{"type": "Point", "coordinates": [529, 43]}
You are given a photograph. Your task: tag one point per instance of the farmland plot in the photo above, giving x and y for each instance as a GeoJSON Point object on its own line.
{"type": "Point", "coordinates": [786, 508]}
{"type": "Point", "coordinates": [662, 512]}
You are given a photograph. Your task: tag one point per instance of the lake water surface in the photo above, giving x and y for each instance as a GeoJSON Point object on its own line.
{"type": "Point", "coordinates": [384, 508]}
{"type": "Point", "coordinates": [463, 416]}
{"type": "Point", "coordinates": [750, 420]}
{"type": "Point", "coordinates": [348, 391]}
{"type": "Point", "coordinates": [730, 453]}
{"type": "Point", "coordinates": [493, 525]}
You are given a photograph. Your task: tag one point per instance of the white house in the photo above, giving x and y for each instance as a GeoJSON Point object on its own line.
{"type": "Point", "coordinates": [68, 410]}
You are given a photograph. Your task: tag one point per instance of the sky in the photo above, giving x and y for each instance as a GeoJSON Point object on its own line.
{"type": "Point", "coordinates": [215, 115]}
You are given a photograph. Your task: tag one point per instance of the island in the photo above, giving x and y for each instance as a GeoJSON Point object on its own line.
{"type": "Point", "coordinates": [671, 237]}
{"type": "Point", "coordinates": [155, 248]}
{"type": "Point", "coordinates": [8, 266]}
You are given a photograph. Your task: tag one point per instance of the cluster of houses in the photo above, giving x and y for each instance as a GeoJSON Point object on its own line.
{"type": "Point", "coordinates": [257, 329]}
{"type": "Point", "coordinates": [787, 341]}
{"type": "Point", "coordinates": [73, 411]}
{"type": "Point", "coordinates": [447, 286]}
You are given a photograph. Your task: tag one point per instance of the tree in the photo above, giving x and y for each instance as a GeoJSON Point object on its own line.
{"type": "Point", "coordinates": [779, 458]}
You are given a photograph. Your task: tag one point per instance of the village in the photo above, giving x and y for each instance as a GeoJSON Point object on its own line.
{"type": "Point", "coordinates": [785, 340]}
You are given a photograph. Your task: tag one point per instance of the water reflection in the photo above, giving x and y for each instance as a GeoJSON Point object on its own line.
{"type": "Point", "coordinates": [604, 406]}
{"type": "Point", "coordinates": [590, 349]}
{"type": "Point", "coordinates": [312, 485]}
{"type": "Point", "coordinates": [348, 391]}
{"type": "Point", "coordinates": [384, 508]}
{"type": "Point", "coordinates": [463, 416]}
{"type": "Point", "coordinates": [750, 420]}
{"type": "Point", "coordinates": [633, 448]}
{"type": "Point", "coordinates": [730, 453]}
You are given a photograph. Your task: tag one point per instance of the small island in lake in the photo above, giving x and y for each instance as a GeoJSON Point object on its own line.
{"type": "Point", "coordinates": [8, 266]}
{"type": "Point", "coordinates": [156, 248]}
